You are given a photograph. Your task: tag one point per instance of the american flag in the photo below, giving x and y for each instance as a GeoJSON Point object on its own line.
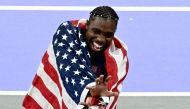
{"type": "Point", "coordinates": [66, 70]}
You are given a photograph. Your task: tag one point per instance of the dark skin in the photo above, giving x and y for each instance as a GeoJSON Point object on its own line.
{"type": "Point", "coordinates": [100, 89]}
{"type": "Point", "coordinates": [99, 35]}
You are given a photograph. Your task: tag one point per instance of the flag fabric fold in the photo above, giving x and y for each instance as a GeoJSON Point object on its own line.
{"type": "Point", "coordinates": [66, 70]}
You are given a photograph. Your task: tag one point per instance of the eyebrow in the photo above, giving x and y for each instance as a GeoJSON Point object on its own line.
{"type": "Point", "coordinates": [99, 30]}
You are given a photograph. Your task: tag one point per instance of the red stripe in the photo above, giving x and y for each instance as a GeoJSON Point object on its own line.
{"type": "Point", "coordinates": [63, 105]}
{"type": "Point", "coordinates": [30, 103]}
{"type": "Point", "coordinates": [111, 68]}
{"type": "Point", "coordinates": [50, 97]}
{"type": "Point", "coordinates": [74, 22]}
{"type": "Point", "coordinates": [49, 69]}
{"type": "Point", "coordinates": [119, 82]}
{"type": "Point", "coordinates": [51, 72]}
{"type": "Point", "coordinates": [110, 61]}
{"type": "Point", "coordinates": [116, 90]}
{"type": "Point", "coordinates": [119, 45]}
{"type": "Point", "coordinates": [114, 101]}
{"type": "Point", "coordinates": [81, 24]}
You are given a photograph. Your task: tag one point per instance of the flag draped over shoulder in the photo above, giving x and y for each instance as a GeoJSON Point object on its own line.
{"type": "Point", "coordinates": [66, 70]}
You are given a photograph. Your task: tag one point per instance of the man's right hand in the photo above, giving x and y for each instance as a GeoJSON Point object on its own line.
{"type": "Point", "coordinates": [100, 89]}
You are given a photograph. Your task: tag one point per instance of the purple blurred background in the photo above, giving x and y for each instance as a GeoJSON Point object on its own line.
{"type": "Point", "coordinates": [158, 43]}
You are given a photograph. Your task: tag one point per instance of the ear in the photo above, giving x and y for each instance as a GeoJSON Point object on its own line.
{"type": "Point", "coordinates": [87, 22]}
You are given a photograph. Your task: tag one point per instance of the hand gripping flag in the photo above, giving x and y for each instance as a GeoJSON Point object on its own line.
{"type": "Point", "coordinates": [65, 70]}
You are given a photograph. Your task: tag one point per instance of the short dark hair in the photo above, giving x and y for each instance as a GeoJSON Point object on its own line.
{"type": "Point", "coordinates": [104, 12]}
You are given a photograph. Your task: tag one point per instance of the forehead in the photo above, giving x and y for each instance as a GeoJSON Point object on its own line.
{"type": "Point", "coordinates": [103, 24]}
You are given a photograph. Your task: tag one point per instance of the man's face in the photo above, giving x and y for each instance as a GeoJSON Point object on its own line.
{"type": "Point", "coordinates": [99, 34]}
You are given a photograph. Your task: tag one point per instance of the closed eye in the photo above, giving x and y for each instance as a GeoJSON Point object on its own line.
{"type": "Point", "coordinates": [109, 34]}
{"type": "Point", "coordinates": [96, 31]}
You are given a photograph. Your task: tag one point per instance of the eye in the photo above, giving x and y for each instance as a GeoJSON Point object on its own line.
{"type": "Point", "coordinates": [109, 34]}
{"type": "Point", "coordinates": [96, 31]}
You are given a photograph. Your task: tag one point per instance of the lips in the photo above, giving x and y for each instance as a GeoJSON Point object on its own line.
{"type": "Point", "coordinates": [97, 47]}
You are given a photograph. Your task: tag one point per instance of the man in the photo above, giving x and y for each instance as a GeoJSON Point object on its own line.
{"type": "Point", "coordinates": [83, 67]}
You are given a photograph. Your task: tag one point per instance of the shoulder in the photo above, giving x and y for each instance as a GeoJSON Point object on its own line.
{"type": "Point", "coordinates": [75, 23]}
{"type": "Point", "coordinates": [79, 23]}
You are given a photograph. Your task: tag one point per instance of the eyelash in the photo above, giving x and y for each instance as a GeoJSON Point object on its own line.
{"type": "Point", "coordinates": [96, 32]}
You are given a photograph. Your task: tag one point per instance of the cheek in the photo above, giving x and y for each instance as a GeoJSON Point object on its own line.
{"type": "Point", "coordinates": [108, 41]}
{"type": "Point", "coordinates": [89, 36]}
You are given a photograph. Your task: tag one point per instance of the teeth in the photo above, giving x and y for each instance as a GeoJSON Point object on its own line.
{"type": "Point", "coordinates": [97, 45]}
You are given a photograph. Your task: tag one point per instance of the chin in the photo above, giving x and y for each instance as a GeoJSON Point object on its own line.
{"type": "Point", "coordinates": [96, 52]}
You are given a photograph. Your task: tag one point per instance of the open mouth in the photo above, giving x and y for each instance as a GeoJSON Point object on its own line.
{"type": "Point", "coordinates": [96, 47]}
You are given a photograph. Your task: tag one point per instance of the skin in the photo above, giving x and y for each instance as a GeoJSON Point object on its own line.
{"type": "Point", "coordinates": [100, 31]}
{"type": "Point", "coordinates": [99, 35]}
{"type": "Point", "coordinates": [100, 89]}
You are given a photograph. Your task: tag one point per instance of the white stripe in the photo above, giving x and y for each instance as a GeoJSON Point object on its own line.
{"type": "Point", "coordinates": [119, 87]}
{"type": "Point", "coordinates": [120, 62]}
{"type": "Point", "coordinates": [89, 8]}
{"type": "Point", "coordinates": [121, 73]}
{"type": "Point", "coordinates": [121, 67]}
{"type": "Point", "coordinates": [122, 94]}
{"type": "Point", "coordinates": [155, 94]}
{"type": "Point", "coordinates": [49, 83]}
{"type": "Point", "coordinates": [66, 98]}
{"type": "Point", "coordinates": [85, 91]}
{"type": "Point", "coordinates": [39, 98]}
{"type": "Point", "coordinates": [110, 102]}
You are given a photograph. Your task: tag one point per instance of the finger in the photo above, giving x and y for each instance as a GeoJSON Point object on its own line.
{"type": "Point", "coordinates": [97, 81]}
{"type": "Point", "coordinates": [109, 94]}
{"type": "Point", "coordinates": [107, 79]}
{"type": "Point", "coordinates": [113, 94]}
{"type": "Point", "coordinates": [101, 77]}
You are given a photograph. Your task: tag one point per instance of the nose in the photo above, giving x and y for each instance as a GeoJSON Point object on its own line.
{"type": "Point", "coordinates": [101, 40]}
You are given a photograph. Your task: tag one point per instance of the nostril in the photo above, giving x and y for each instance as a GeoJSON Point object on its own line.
{"type": "Point", "coordinates": [100, 41]}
